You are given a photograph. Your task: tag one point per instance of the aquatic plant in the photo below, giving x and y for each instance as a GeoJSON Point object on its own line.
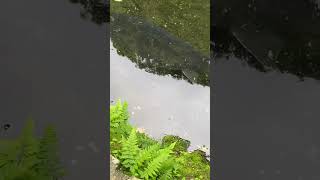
{"type": "Point", "coordinates": [30, 158]}
{"type": "Point", "coordinates": [144, 157]}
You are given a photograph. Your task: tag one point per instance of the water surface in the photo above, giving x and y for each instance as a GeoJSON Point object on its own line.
{"type": "Point", "coordinates": [161, 104]}
{"type": "Point", "coordinates": [163, 78]}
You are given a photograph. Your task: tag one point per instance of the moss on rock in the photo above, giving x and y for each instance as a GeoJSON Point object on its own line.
{"type": "Point", "coordinates": [182, 145]}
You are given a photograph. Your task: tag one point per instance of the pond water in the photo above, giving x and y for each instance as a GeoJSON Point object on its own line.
{"type": "Point", "coordinates": [53, 67]}
{"type": "Point", "coordinates": [266, 90]}
{"type": "Point", "coordinates": [164, 80]}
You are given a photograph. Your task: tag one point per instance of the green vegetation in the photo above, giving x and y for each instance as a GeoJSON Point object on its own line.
{"type": "Point", "coordinates": [146, 158]}
{"type": "Point", "coordinates": [181, 144]}
{"type": "Point", "coordinates": [30, 158]}
{"type": "Point", "coordinates": [186, 19]}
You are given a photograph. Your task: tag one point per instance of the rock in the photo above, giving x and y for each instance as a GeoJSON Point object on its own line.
{"type": "Point", "coordinates": [117, 174]}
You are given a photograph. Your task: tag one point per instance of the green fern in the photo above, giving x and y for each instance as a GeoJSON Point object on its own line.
{"type": "Point", "coordinates": [145, 163]}
{"type": "Point", "coordinates": [154, 166]}
{"type": "Point", "coordinates": [147, 154]}
{"type": "Point", "coordinates": [119, 120]}
{"type": "Point", "coordinates": [129, 151]}
{"type": "Point", "coordinates": [118, 114]}
{"type": "Point", "coordinates": [170, 169]}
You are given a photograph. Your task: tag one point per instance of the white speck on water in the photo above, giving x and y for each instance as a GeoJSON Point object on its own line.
{"type": "Point", "coordinates": [132, 113]}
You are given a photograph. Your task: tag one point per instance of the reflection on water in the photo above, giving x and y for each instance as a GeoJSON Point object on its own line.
{"type": "Point", "coordinates": [161, 68]}
{"type": "Point", "coordinates": [270, 35]}
{"type": "Point", "coordinates": [266, 112]}
{"type": "Point", "coordinates": [161, 104]}
{"type": "Point", "coordinates": [156, 51]}
{"type": "Point", "coordinates": [95, 10]}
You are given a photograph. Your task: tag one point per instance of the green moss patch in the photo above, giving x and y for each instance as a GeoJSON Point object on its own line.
{"type": "Point", "coordinates": [188, 20]}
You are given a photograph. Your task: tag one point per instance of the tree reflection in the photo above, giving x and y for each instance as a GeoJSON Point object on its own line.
{"type": "Point", "coordinates": [270, 35]}
{"type": "Point", "coordinates": [95, 10]}
{"type": "Point", "coordinates": [156, 51]}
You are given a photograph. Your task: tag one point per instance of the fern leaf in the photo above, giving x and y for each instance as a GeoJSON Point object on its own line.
{"type": "Point", "coordinates": [147, 154]}
{"type": "Point", "coordinates": [153, 168]}
{"type": "Point", "coordinates": [130, 151]}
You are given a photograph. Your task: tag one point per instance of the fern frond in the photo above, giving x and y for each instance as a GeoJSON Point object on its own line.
{"type": "Point", "coordinates": [169, 169]}
{"type": "Point", "coordinates": [130, 151]}
{"type": "Point", "coordinates": [147, 154]}
{"type": "Point", "coordinates": [153, 168]}
{"type": "Point", "coordinates": [118, 113]}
